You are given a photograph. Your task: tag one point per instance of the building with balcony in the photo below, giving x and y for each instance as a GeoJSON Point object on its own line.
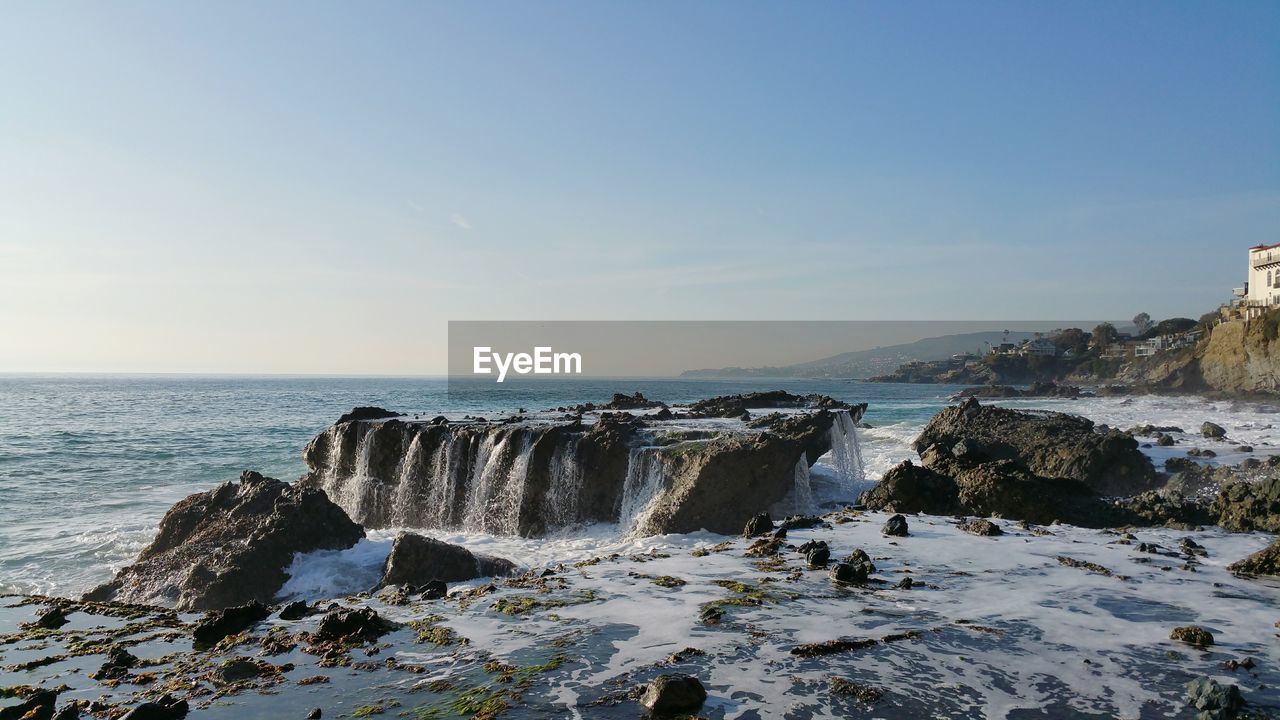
{"type": "Point", "coordinates": [1263, 288]}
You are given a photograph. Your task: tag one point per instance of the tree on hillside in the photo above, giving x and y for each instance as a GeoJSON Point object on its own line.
{"type": "Point", "coordinates": [1074, 340]}
{"type": "Point", "coordinates": [1104, 334]}
{"type": "Point", "coordinates": [1142, 321]}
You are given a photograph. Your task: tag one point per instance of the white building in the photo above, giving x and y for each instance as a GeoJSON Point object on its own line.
{"type": "Point", "coordinates": [1264, 275]}
{"type": "Point", "coordinates": [1041, 347]}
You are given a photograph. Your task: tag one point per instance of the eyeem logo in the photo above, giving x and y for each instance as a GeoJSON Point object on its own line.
{"type": "Point", "coordinates": [543, 361]}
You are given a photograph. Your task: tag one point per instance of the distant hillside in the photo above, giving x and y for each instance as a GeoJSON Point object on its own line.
{"type": "Point", "coordinates": [877, 361]}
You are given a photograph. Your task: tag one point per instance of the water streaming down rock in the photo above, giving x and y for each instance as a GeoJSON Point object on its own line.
{"type": "Point", "coordinates": [646, 478]}
{"type": "Point", "coordinates": [846, 452]}
{"type": "Point", "coordinates": [533, 476]}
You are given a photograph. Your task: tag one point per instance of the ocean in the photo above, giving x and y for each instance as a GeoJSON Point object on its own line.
{"type": "Point", "coordinates": [996, 627]}
{"type": "Point", "coordinates": [89, 464]}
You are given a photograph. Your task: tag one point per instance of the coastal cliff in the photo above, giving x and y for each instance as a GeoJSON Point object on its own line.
{"type": "Point", "coordinates": [1237, 357]}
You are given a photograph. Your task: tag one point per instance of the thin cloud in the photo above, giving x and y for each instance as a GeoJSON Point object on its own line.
{"type": "Point", "coordinates": [461, 221]}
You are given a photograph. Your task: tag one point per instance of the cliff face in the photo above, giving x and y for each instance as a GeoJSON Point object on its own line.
{"type": "Point", "coordinates": [1236, 357]}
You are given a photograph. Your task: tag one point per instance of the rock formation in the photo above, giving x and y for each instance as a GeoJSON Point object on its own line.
{"type": "Point", "coordinates": [417, 560]}
{"type": "Point", "coordinates": [536, 474]}
{"type": "Point", "coordinates": [231, 545]}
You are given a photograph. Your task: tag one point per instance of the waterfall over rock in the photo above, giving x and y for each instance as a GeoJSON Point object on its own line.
{"type": "Point", "coordinates": [531, 476]}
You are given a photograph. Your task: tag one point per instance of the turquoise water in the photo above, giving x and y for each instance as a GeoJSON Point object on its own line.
{"type": "Point", "coordinates": [89, 464]}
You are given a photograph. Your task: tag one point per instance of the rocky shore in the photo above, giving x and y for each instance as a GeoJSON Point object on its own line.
{"type": "Point", "coordinates": [1073, 506]}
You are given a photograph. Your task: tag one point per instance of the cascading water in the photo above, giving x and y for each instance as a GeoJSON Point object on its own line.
{"type": "Point", "coordinates": [799, 500]}
{"type": "Point", "coordinates": [643, 483]}
{"type": "Point", "coordinates": [846, 453]}
{"type": "Point", "coordinates": [567, 477]}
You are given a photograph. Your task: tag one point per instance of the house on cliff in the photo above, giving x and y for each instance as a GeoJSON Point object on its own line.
{"type": "Point", "coordinates": [1262, 290]}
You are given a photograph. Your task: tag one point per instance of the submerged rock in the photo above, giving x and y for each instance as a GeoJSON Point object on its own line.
{"type": "Point", "coordinates": [674, 694]}
{"type": "Point", "coordinates": [1048, 444]}
{"type": "Point", "coordinates": [855, 568]}
{"type": "Point", "coordinates": [418, 560]}
{"type": "Point", "coordinates": [231, 545]}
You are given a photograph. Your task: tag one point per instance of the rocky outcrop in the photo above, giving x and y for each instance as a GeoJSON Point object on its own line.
{"type": "Point", "coordinates": [1049, 444]}
{"type": "Point", "coordinates": [1002, 488]}
{"type": "Point", "coordinates": [368, 412]}
{"type": "Point", "coordinates": [731, 406]}
{"type": "Point", "coordinates": [535, 474]}
{"type": "Point", "coordinates": [1264, 562]}
{"type": "Point", "coordinates": [1237, 357]}
{"type": "Point", "coordinates": [1245, 506]}
{"type": "Point", "coordinates": [417, 560]}
{"type": "Point", "coordinates": [231, 546]}
{"type": "Point", "coordinates": [1047, 389]}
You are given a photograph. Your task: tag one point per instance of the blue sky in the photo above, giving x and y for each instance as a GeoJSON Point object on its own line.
{"type": "Point", "coordinates": [319, 187]}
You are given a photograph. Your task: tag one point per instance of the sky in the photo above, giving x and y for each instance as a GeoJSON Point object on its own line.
{"type": "Point", "coordinates": [316, 187]}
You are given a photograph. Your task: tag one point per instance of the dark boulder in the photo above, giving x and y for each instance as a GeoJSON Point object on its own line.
{"type": "Point", "coordinates": [855, 568]}
{"type": "Point", "coordinates": [368, 413]}
{"type": "Point", "coordinates": [117, 665]}
{"type": "Point", "coordinates": [166, 708]}
{"type": "Point", "coordinates": [417, 560]}
{"type": "Point", "coordinates": [1192, 635]}
{"type": "Point", "coordinates": [896, 526]}
{"type": "Point", "coordinates": [816, 553]}
{"type": "Point", "coordinates": [674, 694]}
{"type": "Point", "coordinates": [908, 488]}
{"type": "Point", "coordinates": [231, 545]}
{"type": "Point", "coordinates": [1048, 444]}
{"type": "Point", "coordinates": [1168, 508]}
{"type": "Point", "coordinates": [352, 625]}
{"type": "Point", "coordinates": [1213, 430]}
{"type": "Point", "coordinates": [1264, 562]}
{"type": "Point", "coordinates": [219, 624]}
{"type": "Point", "coordinates": [296, 610]}
{"type": "Point", "coordinates": [39, 705]}
{"type": "Point", "coordinates": [758, 525]}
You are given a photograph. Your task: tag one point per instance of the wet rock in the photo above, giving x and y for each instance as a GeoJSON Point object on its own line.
{"type": "Point", "coordinates": [231, 545]}
{"type": "Point", "coordinates": [816, 553]}
{"type": "Point", "coordinates": [417, 560]}
{"type": "Point", "coordinates": [831, 647]}
{"type": "Point", "coordinates": [1213, 430]}
{"type": "Point", "coordinates": [296, 610]}
{"type": "Point", "coordinates": [1191, 547]}
{"type": "Point", "coordinates": [848, 688]}
{"type": "Point", "coordinates": [352, 625]}
{"type": "Point", "coordinates": [70, 711]}
{"type": "Point", "coordinates": [1049, 444]}
{"type": "Point", "coordinates": [905, 583]}
{"type": "Point", "coordinates": [39, 705]}
{"type": "Point", "coordinates": [1167, 508]}
{"type": "Point", "coordinates": [1264, 562]}
{"type": "Point", "coordinates": [801, 522]}
{"type": "Point", "coordinates": [911, 488]}
{"type": "Point", "coordinates": [1192, 635]}
{"type": "Point", "coordinates": [52, 617]}
{"type": "Point", "coordinates": [1244, 448]}
{"type": "Point", "coordinates": [896, 526]}
{"type": "Point", "coordinates": [1164, 440]}
{"type": "Point", "coordinates": [221, 623]}
{"type": "Point", "coordinates": [674, 694]}
{"type": "Point", "coordinates": [758, 525]}
{"type": "Point", "coordinates": [981, 526]}
{"type": "Point", "coordinates": [1213, 701]}
{"type": "Point", "coordinates": [434, 590]}
{"type": "Point", "coordinates": [369, 413]}
{"type": "Point", "coordinates": [234, 670]}
{"type": "Point", "coordinates": [855, 568]}
{"type": "Point", "coordinates": [1247, 506]}
{"type": "Point", "coordinates": [315, 714]}
{"type": "Point", "coordinates": [166, 708]}
{"type": "Point", "coordinates": [117, 665]}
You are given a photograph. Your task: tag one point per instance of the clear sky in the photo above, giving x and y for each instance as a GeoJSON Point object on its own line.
{"type": "Point", "coordinates": [319, 187]}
